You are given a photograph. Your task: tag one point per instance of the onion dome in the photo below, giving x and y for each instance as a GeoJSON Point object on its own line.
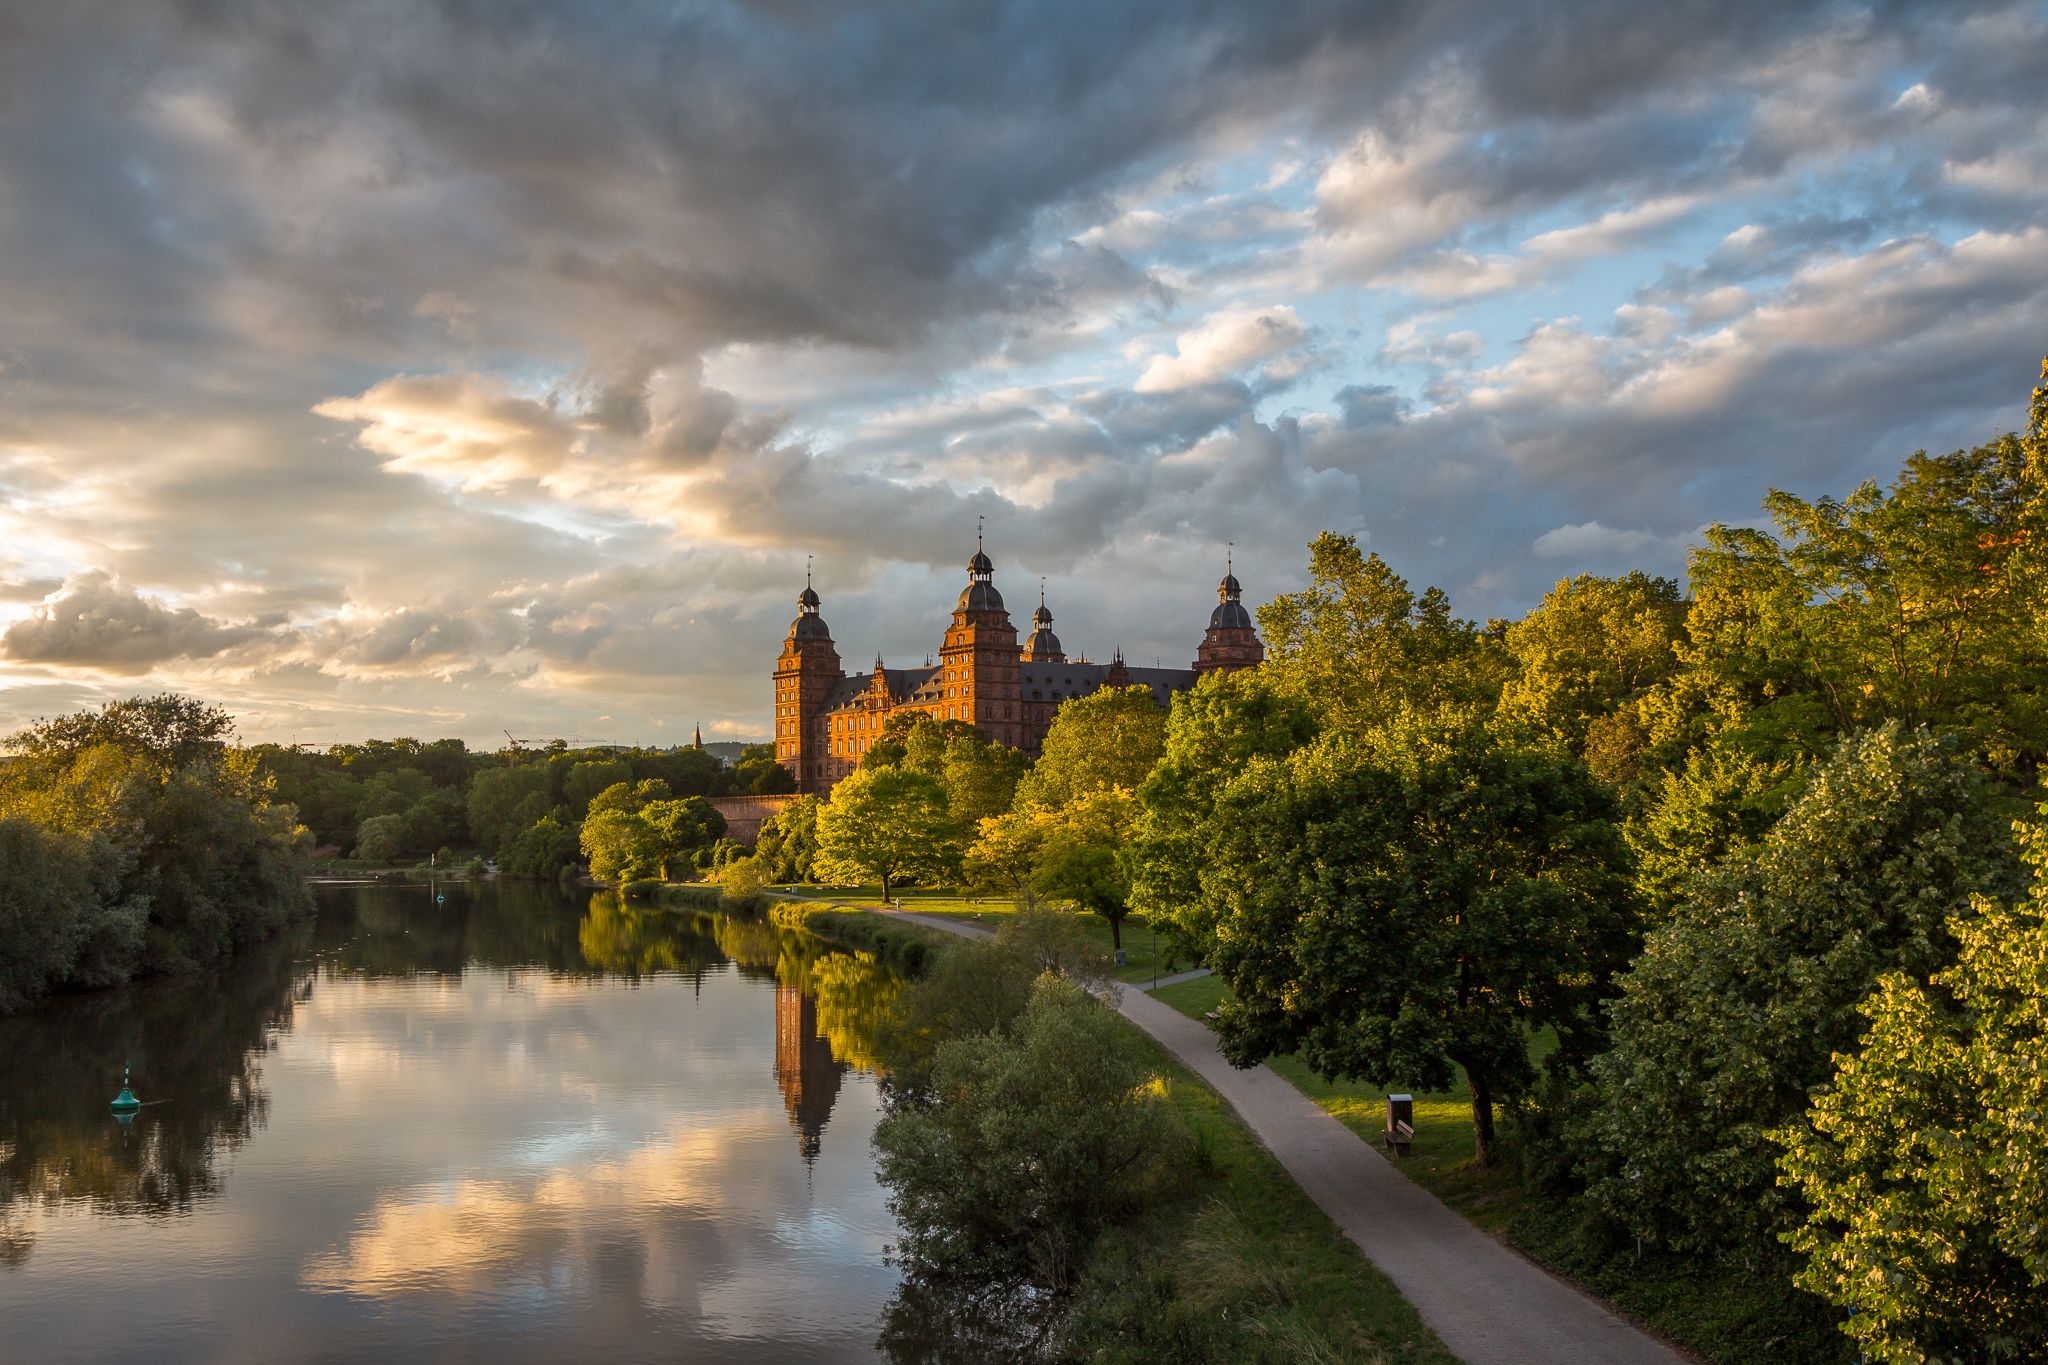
{"type": "Point", "coordinates": [980, 594]}
{"type": "Point", "coordinates": [1042, 645]}
{"type": "Point", "coordinates": [1230, 613]}
{"type": "Point", "coordinates": [808, 624]}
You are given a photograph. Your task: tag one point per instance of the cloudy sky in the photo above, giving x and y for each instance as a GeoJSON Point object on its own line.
{"type": "Point", "coordinates": [392, 368]}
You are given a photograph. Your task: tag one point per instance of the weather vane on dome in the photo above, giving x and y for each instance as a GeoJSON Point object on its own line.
{"type": "Point", "coordinates": [807, 571]}
{"type": "Point", "coordinates": [979, 519]}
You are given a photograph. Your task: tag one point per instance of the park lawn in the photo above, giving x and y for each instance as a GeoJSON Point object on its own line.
{"type": "Point", "coordinates": [1239, 1268]}
{"type": "Point", "coordinates": [1147, 953]}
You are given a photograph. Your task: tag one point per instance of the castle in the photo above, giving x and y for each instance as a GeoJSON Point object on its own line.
{"type": "Point", "coordinates": [825, 720]}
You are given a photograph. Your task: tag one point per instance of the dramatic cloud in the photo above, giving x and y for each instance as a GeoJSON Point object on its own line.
{"type": "Point", "coordinates": [94, 622]}
{"type": "Point", "coordinates": [461, 369]}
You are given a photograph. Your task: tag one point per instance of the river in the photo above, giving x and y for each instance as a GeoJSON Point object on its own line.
{"type": "Point", "coordinates": [483, 1121]}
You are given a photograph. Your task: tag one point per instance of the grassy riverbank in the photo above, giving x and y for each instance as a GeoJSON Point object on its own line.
{"type": "Point", "coordinates": [1721, 1313]}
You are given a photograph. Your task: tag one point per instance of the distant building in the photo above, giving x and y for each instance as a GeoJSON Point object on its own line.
{"type": "Point", "coordinates": [825, 720]}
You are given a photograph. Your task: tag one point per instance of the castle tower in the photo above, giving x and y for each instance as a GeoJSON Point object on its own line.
{"type": "Point", "coordinates": [1230, 642]}
{"type": "Point", "coordinates": [1043, 647]}
{"type": "Point", "coordinates": [979, 665]}
{"type": "Point", "coordinates": [805, 675]}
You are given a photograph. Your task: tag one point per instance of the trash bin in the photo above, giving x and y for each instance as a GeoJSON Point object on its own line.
{"type": "Point", "coordinates": [1400, 1123]}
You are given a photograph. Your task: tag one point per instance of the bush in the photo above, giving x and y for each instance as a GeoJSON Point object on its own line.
{"type": "Point", "coordinates": [1045, 1135]}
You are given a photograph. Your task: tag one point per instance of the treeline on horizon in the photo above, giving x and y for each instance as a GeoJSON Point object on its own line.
{"type": "Point", "coordinates": [1750, 868]}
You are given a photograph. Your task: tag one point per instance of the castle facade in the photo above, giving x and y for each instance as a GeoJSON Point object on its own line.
{"type": "Point", "coordinates": [825, 720]}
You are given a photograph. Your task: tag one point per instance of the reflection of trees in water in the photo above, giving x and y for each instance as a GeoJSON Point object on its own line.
{"type": "Point", "coordinates": [195, 1041]}
{"type": "Point", "coordinates": [955, 1320]}
{"type": "Point", "coordinates": [624, 940]}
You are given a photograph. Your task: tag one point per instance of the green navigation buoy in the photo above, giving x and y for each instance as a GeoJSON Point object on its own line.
{"type": "Point", "coordinates": [125, 1102]}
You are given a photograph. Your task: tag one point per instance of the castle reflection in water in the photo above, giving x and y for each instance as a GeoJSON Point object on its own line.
{"type": "Point", "coordinates": [804, 1068]}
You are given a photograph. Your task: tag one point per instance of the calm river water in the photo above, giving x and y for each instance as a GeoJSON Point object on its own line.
{"type": "Point", "coordinates": [517, 1125]}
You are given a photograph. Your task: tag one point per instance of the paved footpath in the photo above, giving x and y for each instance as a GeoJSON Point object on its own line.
{"type": "Point", "coordinates": [1489, 1305]}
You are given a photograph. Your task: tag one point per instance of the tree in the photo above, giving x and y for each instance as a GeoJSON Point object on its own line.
{"type": "Point", "coordinates": [1917, 604]}
{"type": "Point", "coordinates": [886, 823]}
{"type": "Point", "coordinates": [788, 845]}
{"type": "Point", "coordinates": [1085, 856]}
{"type": "Point", "coordinates": [543, 849]}
{"type": "Point", "coordinates": [1724, 798]}
{"type": "Point", "coordinates": [1726, 1023]}
{"type": "Point", "coordinates": [1925, 1164]}
{"type": "Point", "coordinates": [168, 731]}
{"type": "Point", "coordinates": [1214, 730]}
{"type": "Point", "coordinates": [757, 772]}
{"type": "Point", "coordinates": [505, 801]}
{"type": "Point", "coordinates": [584, 780]}
{"type": "Point", "coordinates": [635, 831]}
{"type": "Point", "coordinates": [1397, 913]}
{"type": "Point", "coordinates": [381, 838]}
{"type": "Point", "coordinates": [1043, 1136]}
{"type": "Point", "coordinates": [1364, 649]}
{"type": "Point", "coordinates": [1110, 738]}
{"type": "Point", "coordinates": [1006, 848]}
{"type": "Point", "coordinates": [1582, 658]}
{"type": "Point", "coordinates": [201, 861]}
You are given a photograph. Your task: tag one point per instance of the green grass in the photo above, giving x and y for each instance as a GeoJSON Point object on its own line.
{"type": "Point", "coordinates": [1146, 952]}
{"type": "Point", "coordinates": [1239, 1267]}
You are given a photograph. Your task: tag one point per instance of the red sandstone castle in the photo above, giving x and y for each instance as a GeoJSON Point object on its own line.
{"type": "Point", "coordinates": [825, 720]}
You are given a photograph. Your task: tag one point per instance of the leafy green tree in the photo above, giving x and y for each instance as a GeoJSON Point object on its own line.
{"type": "Point", "coordinates": [543, 849]}
{"type": "Point", "coordinates": [1582, 658]}
{"type": "Point", "coordinates": [1918, 604]}
{"type": "Point", "coordinates": [973, 988]}
{"type": "Point", "coordinates": [1363, 648]}
{"type": "Point", "coordinates": [1924, 1166]}
{"type": "Point", "coordinates": [1044, 1135]}
{"type": "Point", "coordinates": [980, 777]}
{"type": "Point", "coordinates": [1422, 906]}
{"type": "Point", "coordinates": [886, 823]}
{"type": "Point", "coordinates": [381, 838]}
{"type": "Point", "coordinates": [1214, 730]}
{"type": "Point", "coordinates": [1085, 859]}
{"type": "Point", "coordinates": [758, 773]}
{"type": "Point", "coordinates": [1722, 799]}
{"type": "Point", "coordinates": [438, 820]}
{"type": "Point", "coordinates": [203, 854]}
{"type": "Point", "coordinates": [504, 801]}
{"type": "Point", "coordinates": [1109, 738]}
{"type": "Point", "coordinates": [53, 884]}
{"type": "Point", "coordinates": [585, 780]}
{"type": "Point", "coordinates": [788, 845]}
{"type": "Point", "coordinates": [393, 791]}
{"type": "Point", "coordinates": [1005, 850]}
{"type": "Point", "coordinates": [1726, 1024]}
{"type": "Point", "coordinates": [635, 831]}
